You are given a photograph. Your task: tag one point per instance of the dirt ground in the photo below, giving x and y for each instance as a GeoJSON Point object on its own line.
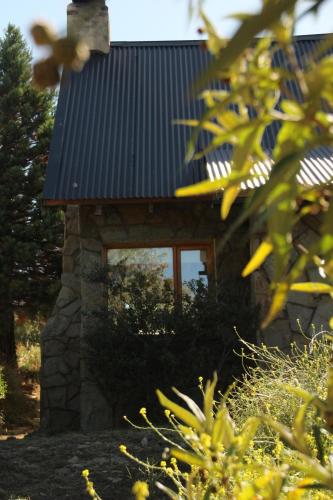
{"type": "Point", "coordinates": [40, 467]}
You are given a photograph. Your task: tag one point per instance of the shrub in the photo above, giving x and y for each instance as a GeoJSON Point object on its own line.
{"type": "Point", "coordinates": [259, 391]}
{"type": "Point", "coordinates": [216, 456]}
{"type": "Point", "coordinates": [3, 390]}
{"type": "Point", "coordinates": [27, 331]}
{"type": "Point", "coordinates": [145, 337]}
{"type": "Point", "coordinates": [29, 360]}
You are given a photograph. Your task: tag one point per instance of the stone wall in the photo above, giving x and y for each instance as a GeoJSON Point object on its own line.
{"type": "Point", "coordinates": [303, 312]}
{"type": "Point", "coordinates": [70, 397]}
{"type": "Point", "coordinates": [60, 374]}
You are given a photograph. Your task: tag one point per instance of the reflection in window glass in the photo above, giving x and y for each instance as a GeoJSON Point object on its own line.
{"type": "Point", "coordinates": [193, 266]}
{"type": "Point", "coordinates": [160, 259]}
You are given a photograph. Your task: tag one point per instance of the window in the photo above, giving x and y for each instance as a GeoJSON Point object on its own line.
{"type": "Point", "coordinates": [180, 264]}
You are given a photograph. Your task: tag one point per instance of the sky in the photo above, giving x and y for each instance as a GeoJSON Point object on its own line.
{"type": "Point", "coordinates": [149, 19]}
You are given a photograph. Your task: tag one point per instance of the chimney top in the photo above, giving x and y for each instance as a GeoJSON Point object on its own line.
{"type": "Point", "coordinates": [89, 21]}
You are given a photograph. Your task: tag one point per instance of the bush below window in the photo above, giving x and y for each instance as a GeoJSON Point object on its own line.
{"type": "Point", "coordinates": [144, 338]}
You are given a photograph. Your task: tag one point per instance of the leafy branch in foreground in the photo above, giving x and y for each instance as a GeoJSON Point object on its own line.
{"type": "Point", "coordinates": [255, 94]}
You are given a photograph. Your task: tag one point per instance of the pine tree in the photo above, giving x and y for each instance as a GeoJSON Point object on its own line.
{"type": "Point", "coordinates": [29, 262]}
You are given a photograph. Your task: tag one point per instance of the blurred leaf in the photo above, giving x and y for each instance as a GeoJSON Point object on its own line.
{"type": "Point", "coordinates": [278, 301]}
{"type": "Point", "coordinates": [171, 494]}
{"type": "Point", "coordinates": [293, 109]}
{"type": "Point", "coordinates": [243, 38]}
{"type": "Point", "coordinates": [310, 287]}
{"type": "Point", "coordinates": [180, 412]}
{"type": "Point", "coordinates": [299, 430]}
{"type": "Point", "coordinates": [223, 429]}
{"type": "Point", "coordinates": [208, 402]}
{"type": "Point", "coordinates": [229, 196]}
{"type": "Point", "coordinates": [262, 252]}
{"type": "Point", "coordinates": [191, 404]}
{"type": "Point", "coordinates": [188, 458]}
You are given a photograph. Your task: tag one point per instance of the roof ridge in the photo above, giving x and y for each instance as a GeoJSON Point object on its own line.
{"type": "Point", "coordinates": [158, 43]}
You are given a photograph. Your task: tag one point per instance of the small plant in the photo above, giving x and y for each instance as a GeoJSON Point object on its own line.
{"type": "Point", "coordinates": [28, 360]}
{"type": "Point", "coordinates": [3, 390]}
{"type": "Point", "coordinates": [212, 455]}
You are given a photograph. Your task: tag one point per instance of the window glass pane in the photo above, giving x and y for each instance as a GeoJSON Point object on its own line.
{"type": "Point", "coordinates": [159, 259]}
{"type": "Point", "coordinates": [193, 267]}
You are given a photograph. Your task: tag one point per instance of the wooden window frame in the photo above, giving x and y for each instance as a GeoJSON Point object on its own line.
{"type": "Point", "coordinates": [177, 248]}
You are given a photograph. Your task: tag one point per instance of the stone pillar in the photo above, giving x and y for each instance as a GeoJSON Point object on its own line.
{"type": "Point", "coordinates": [89, 21]}
{"type": "Point", "coordinates": [95, 411]}
{"type": "Point", "coordinates": [60, 372]}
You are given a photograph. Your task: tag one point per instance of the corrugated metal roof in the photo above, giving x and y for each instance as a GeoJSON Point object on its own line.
{"type": "Point", "coordinates": [114, 136]}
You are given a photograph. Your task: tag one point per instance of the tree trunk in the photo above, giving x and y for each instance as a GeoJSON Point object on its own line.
{"type": "Point", "coordinates": [7, 335]}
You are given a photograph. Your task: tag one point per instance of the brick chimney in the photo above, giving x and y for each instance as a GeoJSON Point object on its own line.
{"type": "Point", "coordinates": [89, 20]}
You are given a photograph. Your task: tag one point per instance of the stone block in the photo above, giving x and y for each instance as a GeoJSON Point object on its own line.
{"type": "Point", "coordinates": [74, 403]}
{"type": "Point", "coordinates": [302, 313]}
{"type": "Point", "coordinates": [55, 327]}
{"type": "Point", "coordinates": [74, 331]}
{"type": "Point", "coordinates": [72, 220]}
{"type": "Point", "coordinates": [92, 245]}
{"type": "Point", "coordinates": [65, 296]}
{"type": "Point", "coordinates": [72, 359]}
{"type": "Point", "coordinates": [322, 315]}
{"type": "Point", "coordinates": [71, 245]}
{"type": "Point", "coordinates": [68, 264]}
{"type": "Point", "coordinates": [71, 308]}
{"type": "Point", "coordinates": [278, 334]}
{"type": "Point", "coordinates": [112, 234]}
{"type": "Point", "coordinates": [56, 380]}
{"type": "Point", "coordinates": [52, 366]}
{"type": "Point", "coordinates": [95, 412]}
{"type": "Point", "coordinates": [71, 281]}
{"type": "Point", "coordinates": [53, 348]}
{"type": "Point", "coordinates": [57, 397]}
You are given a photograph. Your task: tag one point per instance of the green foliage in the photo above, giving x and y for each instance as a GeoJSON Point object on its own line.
{"type": "Point", "coordinates": [230, 450]}
{"type": "Point", "coordinates": [145, 336]}
{"type": "Point", "coordinates": [29, 360]}
{"type": "Point", "coordinates": [3, 385]}
{"type": "Point", "coordinates": [259, 392]}
{"type": "Point", "coordinates": [29, 238]}
{"type": "Point", "coordinates": [3, 390]}
{"type": "Point", "coordinates": [260, 94]}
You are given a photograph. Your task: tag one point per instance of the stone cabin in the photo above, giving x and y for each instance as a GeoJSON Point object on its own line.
{"type": "Point", "coordinates": [115, 162]}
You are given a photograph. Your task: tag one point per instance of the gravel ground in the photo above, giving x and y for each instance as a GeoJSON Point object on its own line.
{"type": "Point", "coordinates": [41, 467]}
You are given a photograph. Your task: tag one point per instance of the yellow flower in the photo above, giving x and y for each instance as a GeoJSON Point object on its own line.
{"type": "Point", "coordinates": [143, 412]}
{"type": "Point", "coordinates": [123, 448]}
{"type": "Point", "coordinates": [140, 490]}
{"type": "Point", "coordinates": [163, 463]}
{"type": "Point", "coordinates": [167, 413]}
{"type": "Point", "coordinates": [200, 379]}
{"type": "Point", "coordinates": [85, 473]}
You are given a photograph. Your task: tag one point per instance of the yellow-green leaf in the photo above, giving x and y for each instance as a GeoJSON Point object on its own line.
{"type": "Point", "coordinates": [208, 402]}
{"type": "Point", "coordinates": [229, 197]}
{"type": "Point", "coordinates": [299, 428]}
{"type": "Point", "coordinates": [188, 458]}
{"type": "Point", "coordinates": [204, 187]}
{"type": "Point", "coordinates": [277, 304]}
{"type": "Point", "coordinates": [293, 109]}
{"type": "Point", "coordinates": [309, 287]}
{"type": "Point", "coordinates": [223, 429]}
{"type": "Point", "coordinates": [180, 412]}
{"type": "Point", "coordinates": [260, 255]}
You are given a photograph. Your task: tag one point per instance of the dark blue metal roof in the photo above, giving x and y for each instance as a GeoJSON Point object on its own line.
{"type": "Point", "coordinates": [114, 136]}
